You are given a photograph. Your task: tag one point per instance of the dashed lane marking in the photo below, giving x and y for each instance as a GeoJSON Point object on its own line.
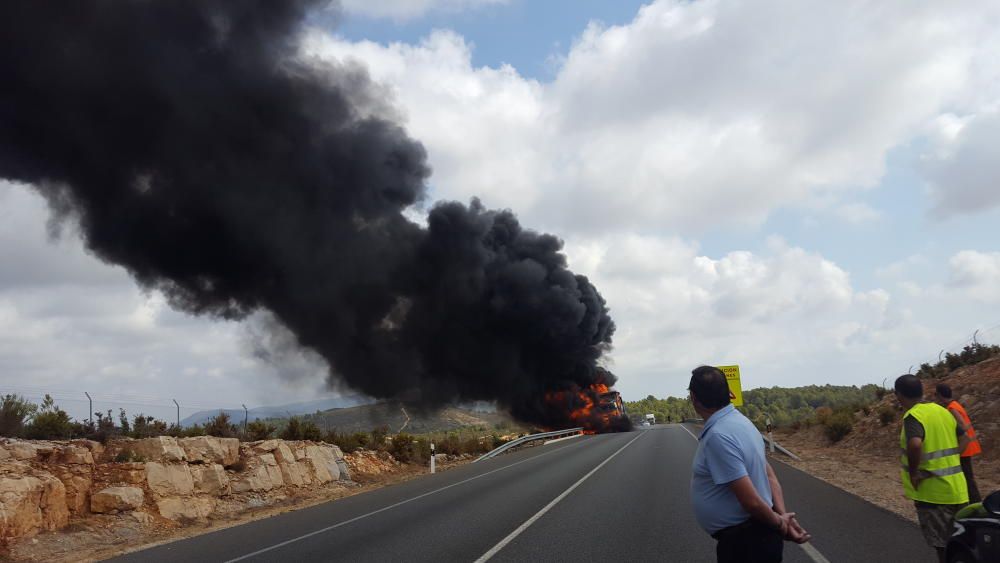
{"type": "Point", "coordinates": [390, 507]}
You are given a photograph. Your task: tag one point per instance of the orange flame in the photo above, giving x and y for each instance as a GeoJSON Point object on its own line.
{"type": "Point", "coordinates": [582, 403]}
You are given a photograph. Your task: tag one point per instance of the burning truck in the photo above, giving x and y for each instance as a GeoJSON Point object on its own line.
{"type": "Point", "coordinates": [596, 408]}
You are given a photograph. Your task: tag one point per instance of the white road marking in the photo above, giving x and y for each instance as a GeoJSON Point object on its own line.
{"type": "Point", "coordinates": [510, 537]}
{"type": "Point", "coordinates": [811, 551]}
{"type": "Point", "coordinates": [689, 432]}
{"type": "Point", "coordinates": [390, 507]}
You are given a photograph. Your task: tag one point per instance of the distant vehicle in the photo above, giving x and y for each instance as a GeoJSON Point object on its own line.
{"type": "Point", "coordinates": [976, 538]}
{"type": "Point", "coordinates": [651, 419]}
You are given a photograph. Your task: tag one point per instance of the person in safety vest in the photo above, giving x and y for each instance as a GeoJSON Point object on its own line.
{"type": "Point", "coordinates": [931, 441]}
{"type": "Point", "coordinates": [943, 397]}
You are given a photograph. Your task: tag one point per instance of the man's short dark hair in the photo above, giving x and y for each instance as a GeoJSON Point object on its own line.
{"type": "Point", "coordinates": [909, 386]}
{"type": "Point", "coordinates": [944, 390]}
{"type": "Point", "coordinates": [708, 385]}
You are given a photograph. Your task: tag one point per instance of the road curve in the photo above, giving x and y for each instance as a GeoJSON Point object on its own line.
{"type": "Point", "coordinates": [610, 497]}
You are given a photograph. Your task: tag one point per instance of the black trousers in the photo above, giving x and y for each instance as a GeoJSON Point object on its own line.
{"type": "Point", "coordinates": [970, 479]}
{"type": "Point", "coordinates": [749, 542]}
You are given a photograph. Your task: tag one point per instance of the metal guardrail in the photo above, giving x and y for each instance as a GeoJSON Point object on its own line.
{"type": "Point", "coordinates": [779, 447]}
{"type": "Point", "coordinates": [528, 438]}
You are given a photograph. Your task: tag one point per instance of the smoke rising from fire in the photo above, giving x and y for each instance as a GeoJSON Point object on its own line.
{"type": "Point", "coordinates": [196, 147]}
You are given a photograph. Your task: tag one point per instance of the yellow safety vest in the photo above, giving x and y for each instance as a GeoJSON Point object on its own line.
{"type": "Point", "coordinates": [939, 461]}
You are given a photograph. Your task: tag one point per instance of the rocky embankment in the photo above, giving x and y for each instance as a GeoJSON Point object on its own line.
{"type": "Point", "coordinates": [46, 484]}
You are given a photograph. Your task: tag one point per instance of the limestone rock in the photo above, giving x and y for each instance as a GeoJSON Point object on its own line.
{"type": "Point", "coordinates": [169, 479]}
{"type": "Point", "coordinates": [266, 445]}
{"type": "Point", "coordinates": [283, 453]}
{"type": "Point", "coordinates": [273, 471]}
{"type": "Point", "coordinates": [76, 455]}
{"type": "Point", "coordinates": [185, 508]}
{"type": "Point", "coordinates": [129, 473]}
{"type": "Point", "coordinates": [77, 482]}
{"type": "Point", "coordinates": [210, 479]}
{"type": "Point", "coordinates": [210, 449]}
{"type": "Point", "coordinates": [323, 463]}
{"type": "Point", "coordinates": [292, 473]}
{"type": "Point", "coordinates": [30, 503]}
{"type": "Point", "coordinates": [116, 498]}
{"type": "Point", "coordinates": [22, 451]}
{"type": "Point", "coordinates": [257, 479]}
{"type": "Point", "coordinates": [160, 448]}
{"type": "Point", "coordinates": [345, 472]}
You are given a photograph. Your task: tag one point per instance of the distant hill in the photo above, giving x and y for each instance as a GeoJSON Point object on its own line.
{"type": "Point", "coordinates": [368, 417]}
{"type": "Point", "coordinates": [280, 411]}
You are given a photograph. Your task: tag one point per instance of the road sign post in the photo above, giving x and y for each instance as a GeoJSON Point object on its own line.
{"type": "Point", "coordinates": [432, 457]}
{"type": "Point", "coordinates": [733, 379]}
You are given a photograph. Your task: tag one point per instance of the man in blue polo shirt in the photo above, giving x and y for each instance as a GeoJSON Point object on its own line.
{"type": "Point", "coordinates": [736, 495]}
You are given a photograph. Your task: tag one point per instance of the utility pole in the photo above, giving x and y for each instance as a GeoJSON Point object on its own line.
{"type": "Point", "coordinates": [91, 408]}
{"type": "Point", "coordinates": [178, 413]}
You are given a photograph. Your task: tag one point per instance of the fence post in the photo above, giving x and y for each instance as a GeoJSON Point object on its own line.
{"type": "Point", "coordinates": [432, 457]}
{"type": "Point", "coordinates": [178, 414]}
{"type": "Point", "coordinates": [91, 408]}
{"type": "Point", "coordinates": [246, 415]}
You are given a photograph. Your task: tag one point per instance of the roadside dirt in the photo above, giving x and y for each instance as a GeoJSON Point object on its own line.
{"type": "Point", "coordinates": [99, 537]}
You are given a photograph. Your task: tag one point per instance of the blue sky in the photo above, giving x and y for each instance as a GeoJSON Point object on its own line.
{"type": "Point", "coordinates": [802, 188]}
{"type": "Point", "coordinates": [520, 33]}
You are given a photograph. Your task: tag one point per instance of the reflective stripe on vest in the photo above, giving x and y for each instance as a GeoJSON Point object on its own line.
{"type": "Point", "coordinates": [939, 461]}
{"type": "Point", "coordinates": [974, 447]}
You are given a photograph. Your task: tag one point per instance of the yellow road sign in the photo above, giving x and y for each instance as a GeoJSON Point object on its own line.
{"type": "Point", "coordinates": [733, 379]}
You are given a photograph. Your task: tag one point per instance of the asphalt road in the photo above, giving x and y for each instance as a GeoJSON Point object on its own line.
{"type": "Point", "coordinates": [620, 497]}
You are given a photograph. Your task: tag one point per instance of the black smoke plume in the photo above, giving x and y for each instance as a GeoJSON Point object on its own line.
{"type": "Point", "coordinates": [197, 147]}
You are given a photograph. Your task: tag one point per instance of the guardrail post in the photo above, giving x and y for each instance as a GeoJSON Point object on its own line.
{"type": "Point", "coordinates": [770, 433]}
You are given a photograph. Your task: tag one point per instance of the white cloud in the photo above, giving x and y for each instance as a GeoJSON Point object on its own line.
{"type": "Point", "coordinates": [401, 10]}
{"type": "Point", "coordinates": [977, 274]}
{"type": "Point", "coordinates": [963, 175]}
{"type": "Point", "coordinates": [775, 313]}
{"type": "Point", "coordinates": [692, 110]}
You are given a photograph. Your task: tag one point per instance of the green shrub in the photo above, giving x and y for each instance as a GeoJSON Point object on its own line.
{"type": "Point", "coordinates": [298, 430]}
{"type": "Point", "coordinates": [49, 423]}
{"type": "Point", "coordinates": [14, 412]}
{"type": "Point", "coordinates": [347, 442]}
{"type": "Point", "coordinates": [407, 448]}
{"type": "Point", "coordinates": [379, 436]}
{"type": "Point", "coordinates": [128, 456]}
{"type": "Point", "coordinates": [823, 415]}
{"type": "Point", "coordinates": [838, 425]}
{"type": "Point", "coordinates": [259, 430]}
{"type": "Point", "coordinates": [147, 427]}
{"type": "Point", "coordinates": [220, 426]}
{"type": "Point", "coordinates": [886, 414]}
